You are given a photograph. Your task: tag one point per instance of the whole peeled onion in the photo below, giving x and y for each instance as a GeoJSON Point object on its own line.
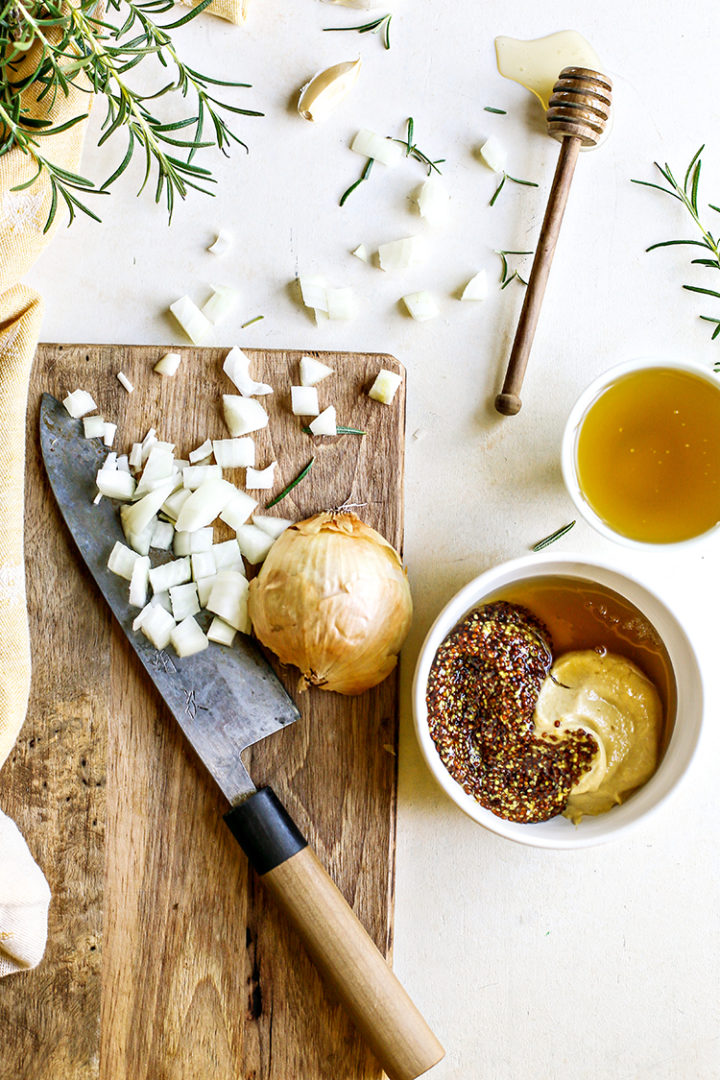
{"type": "Point", "coordinates": [332, 598]}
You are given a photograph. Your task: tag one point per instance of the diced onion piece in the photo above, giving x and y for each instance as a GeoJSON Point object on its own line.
{"type": "Point", "coordinates": [304, 400]}
{"type": "Point", "coordinates": [176, 572]}
{"type": "Point", "coordinates": [477, 287]}
{"type": "Point", "coordinates": [168, 364]}
{"type": "Point", "coordinates": [184, 600]}
{"type": "Point", "coordinates": [313, 288]}
{"type": "Point", "coordinates": [122, 463]}
{"type": "Point", "coordinates": [221, 632]}
{"type": "Point", "coordinates": [203, 451]}
{"type": "Point", "coordinates": [147, 444]}
{"type": "Point", "coordinates": [403, 254]}
{"type": "Point", "coordinates": [115, 484]}
{"type": "Point", "coordinates": [227, 556]}
{"type": "Point", "coordinates": [139, 515]}
{"type": "Point", "coordinates": [313, 371]}
{"type": "Point", "coordinates": [228, 599]}
{"type": "Point", "coordinates": [238, 510]}
{"type": "Point", "coordinates": [273, 526]}
{"type": "Point", "coordinates": [260, 479]}
{"type": "Point", "coordinates": [195, 475]}
{"type": "Point", "coordinates": [162, 536]}
{"type": "Point", "coordinates": [139, 618]}
{"type": "Point", "coordinates": [221, 303]}
{"type": "Point", "coordinates": [175, 502]}
{"type": "Point", "coordinates": [122, 560]}
{"type": "Point", "coordinates": [371, 145]}
{"type": "Point", "coordinates": [222, 243]}
{"type": "Point", "coordinates": [325, 423]}
{"type": "Point", "coordinates": [494, 154]}
{"type": "Point", "coordinates": [109, 430]}
{"type": "Point", "coordinates": [98, 499]}
{"type": "Point", "coordinates": [342, 304]}
{"type": "Point", "coordinates": [203, 563]}
{"type": "Point", "coordinates": [421, 305]}
{"type": "Point", "coordinates": [385, 386]}
{"type": "Point", "coordinates": [190, 543]}
{"type": "Point", "coordinates": [162, 598]}
{"type": "Point", "coordinates": [433, 201]}
{"type": "Point", "coordinates": [243, 415]}
{"type": "Point", "coordinates": [125, 382]}
{"type": "Point", "coordinates": [157, 626]}
{"type": "Point", "coordinates": [362, 252]}
{"type": "Point", "coordinates": [204, 588]}
{"type": "Point", "coordinates": [93, 427]}
{"type": "Point", "coordinates": [320, 316]}
{"type": "Point", "coordinates": [158, 467]}
{"type": "Point", "coordinates": [234, 453]}
{"type": "Point", "coordinates": [79, 404]}
{"type": "Point", "coordinates": [139, 582]}
{"type": "Point", "coordinates": [135, 456]}
{"type": "Point", "coordinates": [139, 540]}
{"type": "Point", "coordinates": [327, 89]}
{"type": "Point", "coordinates": [254, 543]}
{"type": "Point", "coordinates": [237, 368]}
{"type": "Point", "coordinates": [204, 505]}
{"type": "Point", "coordinates": [111, 461]}
{"type": "Point", "coordinates": [196, 325]}
{"type": "Point", "coordinates": [187, 638]}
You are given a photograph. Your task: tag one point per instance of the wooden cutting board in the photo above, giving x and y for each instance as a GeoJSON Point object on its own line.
{"type": "Point", "coordinates": [165, 961]}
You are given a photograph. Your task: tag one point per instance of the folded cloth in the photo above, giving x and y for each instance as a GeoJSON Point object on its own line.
{"type": "Point", "coordinates": [24, 900]}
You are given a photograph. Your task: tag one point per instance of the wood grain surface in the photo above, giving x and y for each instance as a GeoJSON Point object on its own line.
{"type": "Point", "coordinates": [165, 959]}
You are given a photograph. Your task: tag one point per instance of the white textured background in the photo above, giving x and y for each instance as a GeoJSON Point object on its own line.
{"type": "Point", "coordinates": [530, 965]}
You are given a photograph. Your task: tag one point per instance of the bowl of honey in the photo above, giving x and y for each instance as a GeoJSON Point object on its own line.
{"type": "Point", "coordinates": [641, 453]}
{"type": "Point", "coordinates": [557, 701]}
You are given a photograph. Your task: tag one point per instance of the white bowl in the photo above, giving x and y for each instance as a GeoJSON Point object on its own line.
{"type": "Point", "coordinates": [559, 832]}
{"type": "Point", "coordinates": [572, 431]}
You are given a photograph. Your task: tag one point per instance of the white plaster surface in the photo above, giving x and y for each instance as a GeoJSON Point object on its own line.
{"type": "Point", "coordinates": [530, 965]}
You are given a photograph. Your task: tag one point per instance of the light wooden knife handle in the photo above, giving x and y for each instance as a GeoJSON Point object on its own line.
{"type": "Point", "coordinates": [339, 945]}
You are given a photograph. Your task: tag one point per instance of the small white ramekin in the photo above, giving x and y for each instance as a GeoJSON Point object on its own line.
{"type": "Point", "coordinates": [572, 431]}
{"type": "Point", "coordinates": [558, 832]}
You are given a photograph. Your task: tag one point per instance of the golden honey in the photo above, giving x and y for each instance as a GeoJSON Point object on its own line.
{"type": "Point", "coordinates": [648, 455]}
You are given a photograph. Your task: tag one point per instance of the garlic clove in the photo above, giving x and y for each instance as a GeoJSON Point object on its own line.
{"type": "Point", "coordinates": [327, 89]}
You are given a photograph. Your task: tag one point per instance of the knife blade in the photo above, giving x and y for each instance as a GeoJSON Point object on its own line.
{"type": "Point", "coordinates": [225, 699]}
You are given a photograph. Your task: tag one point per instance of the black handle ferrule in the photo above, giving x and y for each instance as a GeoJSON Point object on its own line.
{"type": "Point", "coordinates": [264, 830]}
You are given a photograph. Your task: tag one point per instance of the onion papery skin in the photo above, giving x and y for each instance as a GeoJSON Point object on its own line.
{"type": "Point", "coordinates": [332, 598]}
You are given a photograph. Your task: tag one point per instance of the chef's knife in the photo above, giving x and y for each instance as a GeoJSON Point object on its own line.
{"type": "Point", "coordinates": [226, 699]}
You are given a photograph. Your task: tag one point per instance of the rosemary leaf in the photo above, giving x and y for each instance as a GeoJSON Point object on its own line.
{"type": "Point", "coordinates": [500, 112]}
{"type": "Point", "coordinates": [364, 176]}
{"type": "Point", "coordinates": [546, 541]}
{"type": "Point", "coordinates": [251, 321]}
{"type": "Point", "coordinates": [293, 483]}
{"type": "Point", "coordinates": [413, 151]}
{"type": "Point", "coordinates": [340, 431]}
{"type": "Point", "coordinates": [514, 179]}
{"type": "Point", "coordinates": [379, 26]}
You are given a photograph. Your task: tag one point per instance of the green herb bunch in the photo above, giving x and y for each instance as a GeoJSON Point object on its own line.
{"type": "Point", "coordinates": [49, 47]}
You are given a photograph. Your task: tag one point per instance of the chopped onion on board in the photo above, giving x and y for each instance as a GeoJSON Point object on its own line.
{"type": "Point", "coordinates": [313, 371]}
{"type": "Point", "coordinates": [196, 325]}
{"type": "Point", "coordinates": [115, 484]}
{"type": "Point", "coordinates": [243, 415]}
{"type": "Point", "coordinates": [273, 526]}
{"type": "Point", "coordinates": [191, 543]}
{"type": "Point", "coordinates": [221, 304]}
{"type": "Point", "coordinates": [138, 516]}
{"type": "Point", "coordinates": [204, 505]}
{"type": "Point", "coordinates": [184, 600]}
{"type": "Point", "coordinates": [325, 423]}
{"type": "Point", "coordinates": [122, 560]}
{"type": "Point", "coordinates": [175, 502]}
{"type": "Point", "coordinates": [234, 453]}
{"type": "Point", "coordinates": [403, 254]}
{"type": "Point", "coordinates": [203, 451]}
{"type": "Point", "coordinates": [157, 625]}
{"type": "Point", "coordinates": [261, 479]}
{"type": "Point", "coordinates": [109, 433]}
{"type": "Point", "coordinates": [421, 305]}
{"type": "Point", "coordinates": [125, 382]}
{"type": "Point", "coordinates": [139, 540]}
{"type": "Point", "coordinates": [162, 536]}
{"type": "Point", "coordinates": [93, 427]}
{"type": "Point", "coordinates": [168, 574]}
{"type": "Point", "coordinates": [228, 599]}
{"type": "Point", "coordinates": [477, 287]}
{"type": "Point", "coordinates": [371, 145]}
{"type": "Point", "coordinates": [195, 475]}
{"type": "Point", "coordinates": [227, 556]}
{"type": "Point", "coordinates": [385, 386]}
{"type": "Point", "coordinates": [187, 638]}
{"type": "Point", "coordinates": [203, 564]}
{"type": "Point", "coordinates": [204, 588]}
{"type": "Point", "coordinates": [238, 510]}
{"type": "Point", "coordinates": [139, 582]}
{"type": "Point", "coordinates": [221, 632]}
{"type": "Point", "coordinates": [254, 543]}
{"type": "Point", "coordinates": [237, 368]}
{"type": "Point", "coordinates": [304, 400]}
{"type": "Point", "coordinates": [79, 404]}
{"type": "Point", "coordinates": [168, 364]}
{"type": "Point", "coordinates": [135, 456]}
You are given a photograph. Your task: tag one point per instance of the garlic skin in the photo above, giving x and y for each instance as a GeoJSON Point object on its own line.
{"type": "Point", "coordinates": [332, 599]}
{"type": "Point", "coordinates": [327, 89]}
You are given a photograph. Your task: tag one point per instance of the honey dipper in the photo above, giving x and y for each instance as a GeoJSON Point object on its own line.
{"type": "Point", "coordinates": [577, 116]}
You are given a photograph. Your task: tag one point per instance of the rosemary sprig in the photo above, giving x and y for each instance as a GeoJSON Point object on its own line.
{"type": "Point", "coordinates": [77, 47]}
{"type": "Point", "coordinates": [687, 194]}
{"type": "Point", "coordinates": [365, 173]}
{"type": "Point", "coordinates": [251, 321]}
{"type": "Point", "coordinates": [500, 112]}
{"type": "Point", "coordinates": [506, 277]}
{"type": "Point", "coordinates": [293, 483]}
{"type": "Point", "coordinates": [546, 541]}
{"type": "Point", "coordinates": [413, 151]}
{"type": "Point", "coordinates": [379, 26]}
{"type": "Point", "coordinates": [507, 176]}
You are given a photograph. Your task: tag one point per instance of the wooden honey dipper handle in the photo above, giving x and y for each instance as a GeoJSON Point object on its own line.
{"type": "Point", "coordinates": [577, 116]}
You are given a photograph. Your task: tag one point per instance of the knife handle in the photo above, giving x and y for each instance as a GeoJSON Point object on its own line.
{"type": "Point", "coordinates": [336, 940]}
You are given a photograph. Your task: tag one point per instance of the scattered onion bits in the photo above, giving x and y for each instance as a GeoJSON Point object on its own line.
{"type": "Point", "coordinates": [332, 598]}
